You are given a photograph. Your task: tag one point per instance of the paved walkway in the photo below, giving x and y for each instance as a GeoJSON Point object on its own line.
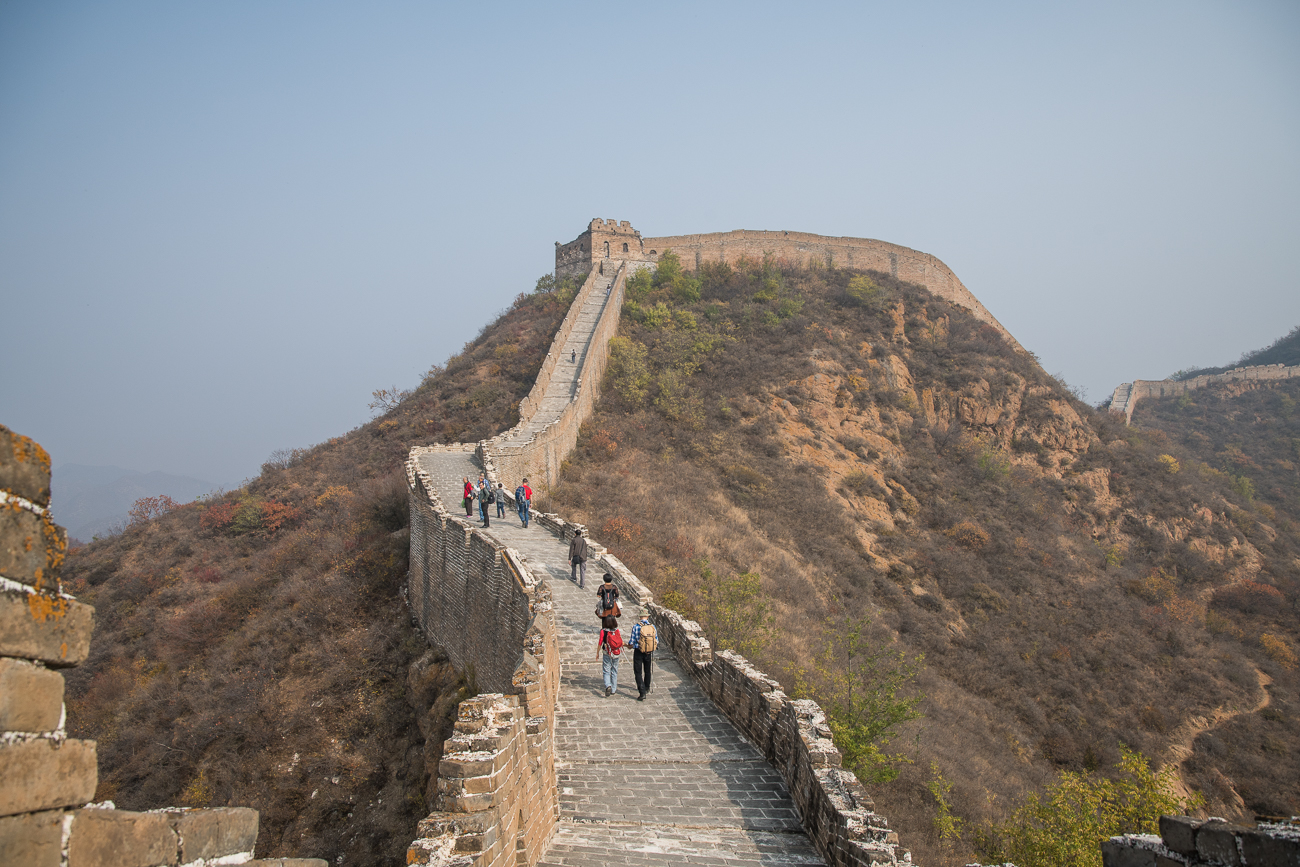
{"type": "Point", "coordinates": [564, 381]}
{"type": "Point", "coordinates": [667, 781]}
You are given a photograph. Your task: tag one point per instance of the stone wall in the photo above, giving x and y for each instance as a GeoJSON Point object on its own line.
{"type": "Point", "coordinates": [49, 779]}
{"type": "Point", "coordinates": [792, 734]}
{"type": "Point", "coordinates": [1127, 394]}
{"type": "Point", "coordinates": [497, 793]}
{"type": "Point", "coordinates": [1187, 842]}
{"type": "Point", "coordinates": [795, 248]}
{"type": "Point", "coordinates": [538, 457]}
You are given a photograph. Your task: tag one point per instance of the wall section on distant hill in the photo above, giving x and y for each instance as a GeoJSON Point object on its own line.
{"type": "Point", "coordinates": [1127, 394]}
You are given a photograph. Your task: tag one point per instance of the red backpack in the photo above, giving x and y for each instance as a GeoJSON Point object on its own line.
{"type": "Point", "coordinates": [613, 639]}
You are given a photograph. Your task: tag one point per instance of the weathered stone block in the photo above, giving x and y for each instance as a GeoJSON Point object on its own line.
{"type": "Point", "coordinates": [1217, 841]}
{"type": "Point", "coordinates": [31, 547]}
{"type": "Point", "coordinates": [287, 862]}
{"type": "Point", "coordinates": [38, 775]}
{"type": "Point", "coordinates": [24, 467]}
{"type": "Point", "coordinates": [215, 832]}
{"type": "Point", "coordinates": [118, 838]}
{"type": "Point", "coordinates": [1262, 849]}
{"type": "Point", "coordinates": [45, 627]}
{"type": "Point", "coordinates": [1120, 853]}
{"type": "Point", "coordinates": [1179, 833]}
{"type": "Point", "coordinates": [32, 839]}
{"type": "Point", "coordinates": [31, 697]}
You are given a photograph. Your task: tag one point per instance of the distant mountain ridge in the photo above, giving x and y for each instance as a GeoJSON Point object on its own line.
{"type": "Point", "coordinates": [1285, 350]}
{"type": "Point", "coordinates": [91, 500]}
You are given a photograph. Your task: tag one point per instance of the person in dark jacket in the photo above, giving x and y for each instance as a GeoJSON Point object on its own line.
{"type": "Point", "coordinates": [578, 558]}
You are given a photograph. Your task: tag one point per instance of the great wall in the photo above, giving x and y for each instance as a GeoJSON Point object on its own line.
{"type": "Point", "coordinates": [718, 766]}
{"type": "Point", "coordinates": [1127, 394]}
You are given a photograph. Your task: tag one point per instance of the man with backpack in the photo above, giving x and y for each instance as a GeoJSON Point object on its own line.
{"type": "Point", "coordinates": [609, 649]}
{"type": "Point", "coordinates": [524, 501]}
{"type": "Point", "coordinates": [645, 640]}
{"type": "Point", "coordinates": [484, 498]}
{"type": "Point", "coordinates": [578, 558]}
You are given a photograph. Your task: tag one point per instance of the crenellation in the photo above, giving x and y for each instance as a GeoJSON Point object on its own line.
{"type": "Point", "coordinates": [1127, 394]}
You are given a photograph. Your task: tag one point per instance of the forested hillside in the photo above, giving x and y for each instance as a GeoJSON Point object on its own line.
{"type": "Point", "coordinates": [795, 457]}
{"type": "Point", "coordinates": [254, 648]}
{"type": "Point", "coordinates": [803, 450]}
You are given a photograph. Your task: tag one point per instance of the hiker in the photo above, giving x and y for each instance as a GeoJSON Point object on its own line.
{"type": "Point", "coordinates": [578, 558]}
{"type": "Point", "coordinates": [524, 502]}
{"type": "Point", "coordinates": [484, 497]}
{"type": "Point", "coordinates": [500, 494]}
{"type": "Point", "coordinates": [469, 497]}
{"type": "Point", "coordinates": [608, 595]}
{"type": "Point", "coordinates": [573, 356]}
{"type": "Point", "coordinates": [609, 650]}
{"type": "Point", "coordinates": [645, 640]}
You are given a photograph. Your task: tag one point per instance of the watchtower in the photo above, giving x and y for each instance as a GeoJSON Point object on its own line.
{"type": "Point", "coordinates": [603, 239]}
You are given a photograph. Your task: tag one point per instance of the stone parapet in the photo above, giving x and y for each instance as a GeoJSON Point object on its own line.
{"type": "Point", "coordinates": [515, 454]}
{"type": "Point", "coordinates": [1127, 394]}
{"type": "Point", "coordinates": [1187, 842]}
{"type": "Point", "coordinates": [497, 791]}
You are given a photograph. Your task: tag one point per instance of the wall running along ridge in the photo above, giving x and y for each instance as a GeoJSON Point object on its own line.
{"type": "Point", "coordinates": [497, 793]}
{"type": "Point", "coordinates": [800, 249]}
{"type": "Point", "coordinates": [463, 588]}
{"type": "Point", "coordinates": [538, 457]}
{"type": "Point", "coordinates": [47, 779]}
{"type": "Point", "coordinates": [1127, 394]}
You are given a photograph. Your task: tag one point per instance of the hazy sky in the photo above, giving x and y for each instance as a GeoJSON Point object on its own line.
{"type": "Point", "coordinates": [223, 225]}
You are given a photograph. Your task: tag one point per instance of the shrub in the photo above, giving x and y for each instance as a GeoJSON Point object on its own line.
{"type": "Point", "coordinates": [735, 613]}
{"type": "Point", "coordinates": [865, 292]}
{"type": "Point", "coordinates": [1170, 463]}
{"type": "Point", "coordinates": [970, 535]}
{"type": "Point", "coordinates": [861, 686]}
{"type": "Point", "coordinates": [1278, 650]}
{"type": "Point", "coordinates": [628, 371]}
{"type": "Point", "coordinates": [1249, 597]}
{"type": "Point", "coordinates": [1065, 828]}
{"type": "Point", "coordinates": [148, 508]}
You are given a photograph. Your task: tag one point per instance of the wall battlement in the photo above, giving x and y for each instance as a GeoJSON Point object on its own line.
{"type": "Point", "coordinates": [604, 240]}
{"type": "Point", "coordinates": [1127, 394]}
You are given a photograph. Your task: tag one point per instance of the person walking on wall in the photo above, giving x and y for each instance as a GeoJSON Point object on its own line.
{"type": "Point", "coordinates": [500, 494]}
{"type": "Point", "coordinates": [608, 596]}
{"type": "Point", "coordinates": [609, 650]}
{"type": "Point", "coordinates": [484, 497]}
{"type": "Point", "coordinates": [644, 641]}
{"type": "Point", "coordinates": [578, 558]}
{"type": "Point", "coordinates": [524, 502]}
{"type": "Point", "coordinates": [469, 498]}
{"type": "Point", "coordinates": [573, 356]}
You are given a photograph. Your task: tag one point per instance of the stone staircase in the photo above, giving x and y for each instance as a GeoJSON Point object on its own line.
{"type": "Point", "coordinates": [665, 781]}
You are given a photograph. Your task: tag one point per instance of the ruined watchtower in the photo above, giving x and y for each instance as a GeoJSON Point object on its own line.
{"type": "Point", "coordinates": [603, 239]}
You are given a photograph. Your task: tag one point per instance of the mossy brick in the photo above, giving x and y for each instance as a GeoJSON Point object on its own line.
{"type": "Point", "coordinates": [45, 627]}
{"type": "Point", "coordinates": [42, 775]}
{"type": "Point", "coordinates": [120, 838]}
{"type": "Point", "coordinates": [1217, 841]}
{"type": "Point", "coordinates": [1263, 849]}
{"type": "Point", "coordinates": [215, 832]}
{"type": "Point", "coordinates": [32, 839]}
{"type": "Point", "coordinates": [31, 697]}
{"type": "Point", "coordinates": [1121, 853]}
{"type": "Point", "coordinates": [31, 547]}
{"type": "Point", "coordinates": [1179, 833]}
{"type": "Point", "coordinates": [24, 467]}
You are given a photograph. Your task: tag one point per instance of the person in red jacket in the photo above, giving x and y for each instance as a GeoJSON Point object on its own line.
{"type": "Point", "coordinates": [469, 498]}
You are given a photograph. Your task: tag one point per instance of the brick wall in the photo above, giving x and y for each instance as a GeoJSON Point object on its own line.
{"type": "Point", "coordinates": [1187, 842]}
{"type": "Point", "coordinates": [1127, 394]}
{"type": "Point", "coordinates": [538, 458]}
{"type": "Point", "coordinates": [497, 793]}
{"type": "Point", "coordinates": [46, 778]}
{"type": "Point", "coordinates": [795, 248]}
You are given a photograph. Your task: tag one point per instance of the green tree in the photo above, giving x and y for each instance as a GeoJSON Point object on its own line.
{"type": "Point", "coordinates": [863, 688]}
{"type": "Point", "coordinates": [1066, 826]}
{"type": "Point", "coordinates": [735, 614]}
{"type": "Point", "coordinates": [628, 371]}
{"type": "Point", "coordinates": [866, 292]}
